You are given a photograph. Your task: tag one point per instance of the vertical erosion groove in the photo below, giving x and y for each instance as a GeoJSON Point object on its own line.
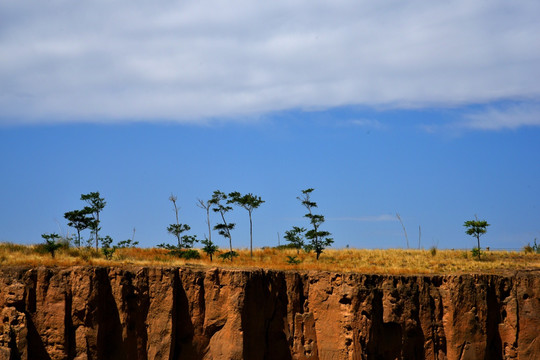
{"type": "Point", "coordinates": [263, 313]}
{"type": "Point", "coordinates": [174, 346]}
{"type": "Point", "coordinates": [184, 330]}
{"type": "Point", "coordinates": [134, 306]}
{"type": "Point", "coordinates": [494, 344]}
{"type": "Point", "coordinates": [69, 329]}
{"type": "Point", "coordinates": [36, 348]}
{"type": "Point", "coordinates": [109, 331]}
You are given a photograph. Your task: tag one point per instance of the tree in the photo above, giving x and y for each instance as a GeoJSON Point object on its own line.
{"type": "Point", "coordinates": [184, 241]}
{"type": "Point", "coordinates": [248, 202]}
{"type": "Point", "coordinates": [183, 249]}
{"type": "Point", "coordinates": [209, 247]}
{"type": "Point", "coordinates": [50, 243]}
{"type": "Point", "coordinates": [224, 228]}
{"type": "Point", "coordinates": [177, 230]}
{"type": "Point", "coordinates": [79, 220]}
{"type": "Point", "coordinates": [97, 204]}
{"type": "Point", "coordinates": [476, 228]}
{"type": "Point", "coordinates": [295, 237]}
{"type": "Point", "coordinates": [319, 240]}
{"type": "Point", "coordinates": [206, 206]}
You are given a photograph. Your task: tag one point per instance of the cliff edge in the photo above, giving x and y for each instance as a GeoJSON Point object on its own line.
{"type": "Point", "coordinates": [186, 313]}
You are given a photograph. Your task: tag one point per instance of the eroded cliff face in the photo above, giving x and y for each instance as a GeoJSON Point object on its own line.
{"type": "Point", "coordinates": [185, 313]}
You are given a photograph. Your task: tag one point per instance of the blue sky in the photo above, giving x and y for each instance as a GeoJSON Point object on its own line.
{"type": "Point", "coordinates": [428, 110]}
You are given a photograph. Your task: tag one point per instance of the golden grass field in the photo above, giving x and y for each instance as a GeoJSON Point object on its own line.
{"type": "Point", "coordinates": [389, 261]}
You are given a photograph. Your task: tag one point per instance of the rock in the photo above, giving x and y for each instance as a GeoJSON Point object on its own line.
{"type": "Point", "coordinates": [184, 313]}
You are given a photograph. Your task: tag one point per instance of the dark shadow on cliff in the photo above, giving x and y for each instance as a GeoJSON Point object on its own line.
{"type": "Point", "coordinates": [135, 305]}
{"type": "Point", "coordinates": [263, 314]}
{"type": "Point", "coordinates": [36, 348]}
{"type": "Point", "coordinates": [183, 330]}
{"type": "Point", "coordinates": [494, 344]}
{"type": "Point", "coordinates": [109, 334]}
{"type": "Point", "coordinates": [413, 337]}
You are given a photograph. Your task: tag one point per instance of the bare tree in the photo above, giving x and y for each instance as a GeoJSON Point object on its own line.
{"type": "Point", "coordinates": [404, 231]}
{"type": "Point", "coordinates": [206, 205]}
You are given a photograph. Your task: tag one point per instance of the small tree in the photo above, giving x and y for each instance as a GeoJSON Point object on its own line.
{"type": "Point", "coordinates": [97, 204]}
{"type": "Point", "coordinates": [295, 237]}
{"type": "Point", "coordinates": [128, 243]}
{"type": "Point", "coordinates": [50, 243]}
{"type": "Point", "coordinates": [318, 239]}
{"type": "Point", "coordinates": [209, 247]}
{"type": "Point", "coordinates": [79, 220]}
{"type": "Point", "coordinates": [106, 248]}
{"type": "Point", "coordinates": [224, 228]}
{"type": "Point", "coordinates": [248, 202]}
{"type": "Point", "coordinates": [177, 230]}
{"type": "Point", "coordinates": [476, 228]}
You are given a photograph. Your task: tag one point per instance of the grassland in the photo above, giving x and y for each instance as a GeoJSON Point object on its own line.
{"type": "Point", "coordinates": [389, 261]}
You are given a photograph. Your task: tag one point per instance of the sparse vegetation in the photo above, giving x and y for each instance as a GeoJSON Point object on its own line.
{"type": "Point", "coordinates": [106, 248]}
{"type": "Point", "coordinates": [295, 237]}
{"type": "Point", "coordinates": [209, 248]}
{"type": "Point", "coordinates": [184, 241]}
{"type": "Point", "coordinates": [534, 248]}
{"type": "Point", "coordinates": [293, 260]}
{"type": "Point", "coordinates": [390, 261]}
{"type": "Point", "coordinates": [51, 245]}
{"type": "Point", "coordinates": [229, 255]}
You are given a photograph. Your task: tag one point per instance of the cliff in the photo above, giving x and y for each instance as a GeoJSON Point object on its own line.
{"type": "Point", "coordinates": [186, 313]}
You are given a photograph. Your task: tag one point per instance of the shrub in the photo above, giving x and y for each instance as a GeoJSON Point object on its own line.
{"type": "Point", "coordinates": [209, 247]}
{"type": "Point", "coordinates": [180, 252]}
{"type": "Point", "coordinates": [229, 255]}
{"type": "Point", "coordinates": [433, 250]}
{"type": "Point", "coordinates": [293, 260]}
{"type": "Point", "coordinates": [106, 247]}
{"type": "Point", "coordinates": [284, 247]}
{"type": "Point", "coordinates": [535, 248]}
{"type": "Point", "coordinates": [189, 254]}
{"type": "Point", "coordinates": [476, 252]}
{"type": "Point", "coordinates": [51, 245]}
{"type": "Point", "coordinates": [129, 243]}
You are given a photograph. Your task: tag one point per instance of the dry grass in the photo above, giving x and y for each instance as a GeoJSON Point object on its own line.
{"type": "Point", "coordinates": [391, 261]}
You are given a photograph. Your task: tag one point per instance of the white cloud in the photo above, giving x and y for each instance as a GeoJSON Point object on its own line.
{"type": "Point", "coordinates": [193, 60]}
{"type": "Point", "coordinates": [509, 117]}
{"type": "Point", "coordinates": [367, 123]}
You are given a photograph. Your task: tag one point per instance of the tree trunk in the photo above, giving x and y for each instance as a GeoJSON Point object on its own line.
{"type": "Point", "coordinates": [478, 238]}
{"type": "Point", "coordinates": [228, 233]}
{"type": "Point", "coordinates": [250, 236]}
{"type": "Point", "coordinates": [209, 227]}
{"type": "Point", "coordinates": [97, 229]}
